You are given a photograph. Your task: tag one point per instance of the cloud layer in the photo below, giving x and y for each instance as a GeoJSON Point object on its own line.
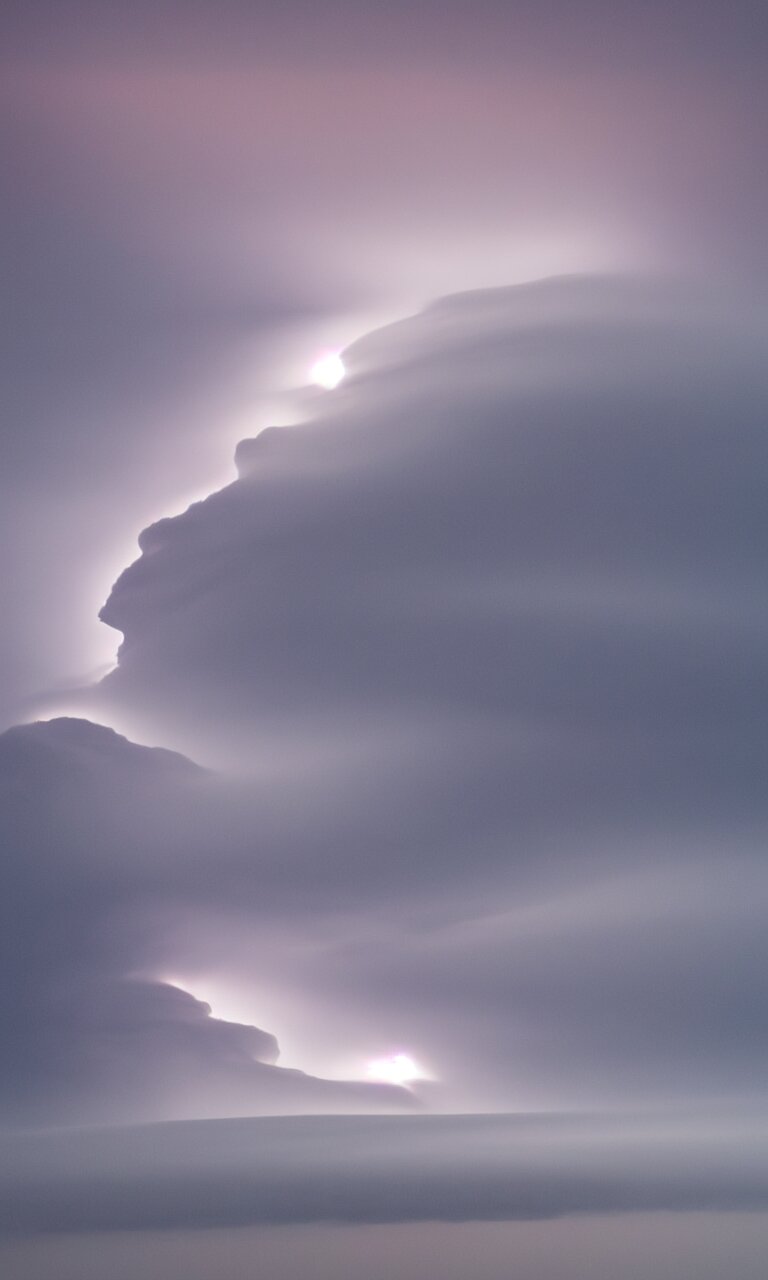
{"type": "Point", "coordinates": [375, 1170]}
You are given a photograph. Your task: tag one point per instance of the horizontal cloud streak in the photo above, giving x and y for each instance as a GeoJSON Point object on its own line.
{"type": "Point", "coordinates": [453, 1169]}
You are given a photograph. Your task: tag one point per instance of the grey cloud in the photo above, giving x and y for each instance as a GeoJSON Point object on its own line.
{"type": "Point", "coordinates": [93, 829]}
{"type": "Point", "coordinates": [480, 444]}
{"type": "Point", "coordinates": [174, 194]}
{"type": "Point", "coordinates": [481, 646]}
{"type": "Point", "coordinates": [473, 659]}
{"type": "Point", "coordinates": [460, 1168]}
{"type": "Point", "coordinates": [499, 608]}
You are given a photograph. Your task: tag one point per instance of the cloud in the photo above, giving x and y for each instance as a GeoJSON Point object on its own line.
{"type": "Point", "coordinates": [478, 655]}
{"type": "Point", "coordinates": [175, 201]}
{"type": "Point", "coordinates": [376, 1170]}
{"type": "Point", "coordinates": [491, 623]}
{"type": "Point", "coordinates": [92, 828]}
{"type": "Point", "coordinates": [472, 527]}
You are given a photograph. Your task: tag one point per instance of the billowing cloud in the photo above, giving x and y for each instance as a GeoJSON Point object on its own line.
{"type": "Point", "coordinates": [539, 504]}
{"type": "Point", "coordinates": [477, 654]}
{"type": "Point", "coordinates": [491, 623]}
{"type": "Point", "coordinates": [194, 203]}
{"type": "Point", "coordinates": [93, 830]}
{"type": "Point", "coordinates": [456, 689]}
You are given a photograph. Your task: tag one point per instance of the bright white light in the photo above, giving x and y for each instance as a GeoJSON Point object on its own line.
{"type": "Point", "coordinates": [399, 1069]}
{"type": "Point", "coordinates": [328, 371]}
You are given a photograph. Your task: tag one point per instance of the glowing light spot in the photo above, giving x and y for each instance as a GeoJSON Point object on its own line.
{"type": "Point", "coordinates": [328, 371]}
{"type": "Point", "coordinates": [399, 1069]}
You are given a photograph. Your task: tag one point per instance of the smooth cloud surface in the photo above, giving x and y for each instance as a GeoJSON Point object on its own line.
{"type": "Point", "coordinates": [355, 1170]}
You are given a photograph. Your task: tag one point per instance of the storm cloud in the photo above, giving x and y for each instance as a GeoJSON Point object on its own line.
{"type": "Point", "coordinates": [474, 660]}
{"type": "Point", "coordinates": [383, 883]}
{"type": "Point", "coordinates": [95, 829]}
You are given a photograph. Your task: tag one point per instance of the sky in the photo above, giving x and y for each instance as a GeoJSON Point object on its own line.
{"type": "Point", "coordinates": [382, 767]}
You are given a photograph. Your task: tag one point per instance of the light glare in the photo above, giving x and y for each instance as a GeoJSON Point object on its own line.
{"type": "Point", "coordinates": [328, 371]}
{"type": "Point", "coordinates": [399, 1069]}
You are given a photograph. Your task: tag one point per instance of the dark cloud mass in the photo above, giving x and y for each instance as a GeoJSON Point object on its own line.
{"type": "Point", "coordinates": [408, 864]}
{"type": "Point", "coordinates": [543, 503]}
{"type": "Point", "coordinates": [479, 650]}
{"type": "Point", "coordinates": [93, 830]}
{"type": "Point", "coordinates": [198, 196]}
